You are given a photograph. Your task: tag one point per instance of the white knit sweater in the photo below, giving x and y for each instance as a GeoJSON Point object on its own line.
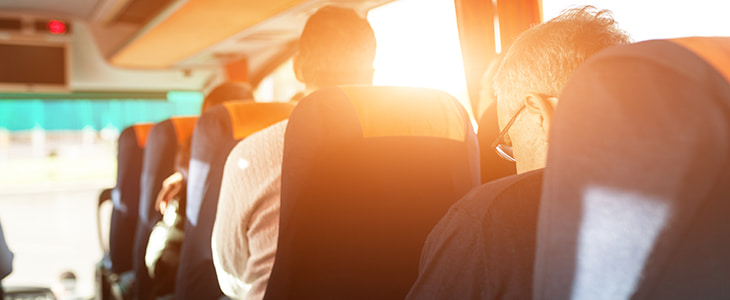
{"type": "Point", "coordinates": [247, 222]}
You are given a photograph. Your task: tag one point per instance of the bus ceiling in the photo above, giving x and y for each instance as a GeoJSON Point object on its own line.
{"type": "Point", "coordinates": [157, 45]}
{"type": "Point", "coordinates": [487, 27]}
{"type": "Point", "coordinates": [187, 44]}
{"type": "Point", "coordinates": [204, 32]}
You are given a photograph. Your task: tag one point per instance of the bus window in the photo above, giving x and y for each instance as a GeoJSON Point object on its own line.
{"type": "Point", "coordinates": [280, 86]}
{"type": "Point", "coordinates": [55, 158]}
{"type": "Point", "coordinates": [418, 45]}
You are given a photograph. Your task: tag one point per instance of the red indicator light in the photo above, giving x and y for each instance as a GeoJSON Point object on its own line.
{"type": "Point", "coordinates": [56, 27]}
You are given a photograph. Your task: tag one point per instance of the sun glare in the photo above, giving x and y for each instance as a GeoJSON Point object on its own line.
{"type": "Point", "coordinates": [418, 45]}
{"type": "Point", "coordinates": [657, 19]}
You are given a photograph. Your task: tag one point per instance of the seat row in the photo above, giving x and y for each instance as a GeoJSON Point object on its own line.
{"type": "Point", "coordinates": [368, 171]}
{"type": "Point", "coordinates": [380, 165]}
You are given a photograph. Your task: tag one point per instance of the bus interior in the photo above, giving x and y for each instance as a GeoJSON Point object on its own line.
{"type": "Point", "coordinates": [92, 68]}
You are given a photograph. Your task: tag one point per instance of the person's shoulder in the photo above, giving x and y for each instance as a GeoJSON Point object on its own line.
{"type": "Point", "coordinates": [264, 136]}
{"type": "Point", "coordinates": [271, 134]}
{"type": "Point", "coordinates": [275, 131]}
{"type": "Point", "coordinates": [480, 200]}
{"type": "Point", "coordinates": [478, 207]}
{"type": "Point", "coordinates": [263, 144]}
{"type": "Point", "coordinates": [456, 261]}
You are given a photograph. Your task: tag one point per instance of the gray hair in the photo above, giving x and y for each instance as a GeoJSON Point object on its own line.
{"type": "Point", "coordinates": [542, 58]}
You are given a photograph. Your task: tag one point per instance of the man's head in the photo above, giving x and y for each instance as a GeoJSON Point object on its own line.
{"type": "Point", "coordinates": [337, 46]}
{"type": "Point", "coordinates": [225, 92]}
{"type": "Point", "coordinates": [535, 69]}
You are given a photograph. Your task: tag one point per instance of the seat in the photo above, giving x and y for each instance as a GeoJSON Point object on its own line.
{"type": "Point", "coordinates": [165, 138]}
{"type": "Point", "coordinates": [635, 194]}
{"type": "Point", "coordinates": [217, 131]}
{"type": "Point", "coordinates": [367, 172]}
{"type": "Point", "coordinates": [118, 259]}
{"type": "Point", "coordinates": [493, 167]}
{"type": "Point", "coordinates": [125, 196]}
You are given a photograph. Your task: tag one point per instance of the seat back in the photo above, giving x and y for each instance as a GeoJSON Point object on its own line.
{"type": "Point", "coordinates": [216, 133]}
{"type": "Point", "coordinates": [492, 165]}
{"type": "Point", "coordinates": [367, 172]}
{"type": "Point", "coordinates": [635, 194]}
{"type": "Point", "coordinates": [164, 140]}
{"type": "Point", "coordinates": [125, 196]}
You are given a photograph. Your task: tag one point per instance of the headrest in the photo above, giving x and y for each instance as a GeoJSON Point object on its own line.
{"type": "Point", "coordinates": [141, 130]}
{"type": "Point", "coordinates": [714, 50]}
{"type": "Point", "coordinates": [183, 127]}
{"type": "Point", "coordinates": [638, 160]}
{"type": "Point", "coordinates": [402, 111]}
{"type": "Point", "coordinates": [248, 117]}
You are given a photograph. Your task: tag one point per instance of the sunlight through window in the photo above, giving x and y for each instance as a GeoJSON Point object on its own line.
{"type": "Point", "coordinates": [418, 45]}
{"type": "Point", "coordinates": [657, 19]}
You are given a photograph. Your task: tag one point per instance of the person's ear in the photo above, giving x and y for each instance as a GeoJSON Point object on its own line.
{"type": "Point", "coordinates": [543, 107]}
{"type": "Point", "coordinates": [297, 66]}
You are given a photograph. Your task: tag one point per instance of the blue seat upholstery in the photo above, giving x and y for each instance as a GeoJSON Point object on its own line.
{"type": "Point", "coordinates": [159, 162]}
{"type": "Point", "coordinates": [217, 131]}
{"type": "Point", "coordinates": [635, 195]}
{"type": "Point", "coordinates": [367, 172]}
{"type": "Point", "coordinates": [125, 196]}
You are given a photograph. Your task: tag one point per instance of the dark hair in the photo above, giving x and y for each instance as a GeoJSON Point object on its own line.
{"type": "Point", "coordinates": [542, 58]}
{"type": "Point", "coordinates": [227, 91]}
{"type": "Point", "coordinates": [337, 46]}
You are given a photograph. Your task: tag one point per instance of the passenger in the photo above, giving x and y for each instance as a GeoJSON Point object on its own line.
{"type": "Point", "coordinates": [484, 247]}
{"type": "Point", "coordinates": [336, 47]}
{"type": "Point", "coordinates": [246, 227]}
{"type": "Point", "coordinates": [163, 249]}
{"type": "Point", "coordinates": [174, 185]}
{"type": "Point", "coordinates": [65, 288]}
{"type": "Point", "coordinates": [6, 261]}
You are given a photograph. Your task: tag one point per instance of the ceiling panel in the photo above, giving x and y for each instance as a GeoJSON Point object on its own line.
{"type": "Point", "coordinates": [81, 9]}
{"type": "Point", "coordinates": [195, 26]}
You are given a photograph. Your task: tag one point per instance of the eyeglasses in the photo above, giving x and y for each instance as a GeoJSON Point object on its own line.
{"type": "Point", "coordinates": [505, 150]}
